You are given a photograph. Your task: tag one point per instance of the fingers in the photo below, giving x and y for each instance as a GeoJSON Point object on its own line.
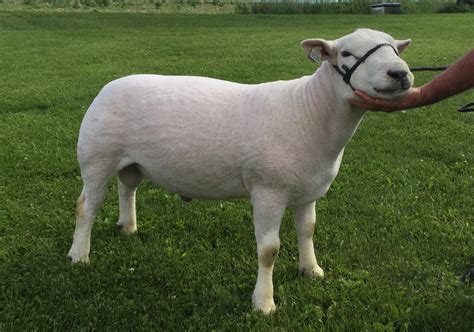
{"type": "Point", "coordinates": [373, 104]}
{"type": "Point", "coordinates": [362, 104]}
{"type": "Point", "coordinates": [367, 102]}
{"type": "Point", "coordinates": [365, 97]}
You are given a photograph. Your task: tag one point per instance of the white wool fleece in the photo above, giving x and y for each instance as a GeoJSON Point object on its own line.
{"type": "Point", "coordinates": [278, 143]}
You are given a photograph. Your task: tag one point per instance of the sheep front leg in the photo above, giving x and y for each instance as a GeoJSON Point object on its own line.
{"type": "Point", "coordinates": [268, 211]}
{"type": "Point", "coordinates": [305, 218]}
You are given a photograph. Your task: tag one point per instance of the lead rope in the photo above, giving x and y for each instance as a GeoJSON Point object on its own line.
{"type": "Point", "coordinates": [428, 68]}
{"type": "Point", "coordinates": [467, 108]}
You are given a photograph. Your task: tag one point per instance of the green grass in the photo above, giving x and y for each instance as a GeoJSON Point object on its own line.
{"type": "Point", "coordinates": [393, 234]}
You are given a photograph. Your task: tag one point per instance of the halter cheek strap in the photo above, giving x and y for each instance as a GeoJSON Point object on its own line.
{"type": "Point", "coordinates": [346, 76]}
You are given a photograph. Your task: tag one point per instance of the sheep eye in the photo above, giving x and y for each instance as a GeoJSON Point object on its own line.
{"type": "Point", "coordinates": [345, 54]}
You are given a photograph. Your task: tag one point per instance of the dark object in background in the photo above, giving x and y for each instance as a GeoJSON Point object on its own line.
{"type": "Point", "coordinates": [186, 199]}
{"type": "Point", "coordinates": [468, 275]}
{"type": "Point", "coordinates": [387, 8]}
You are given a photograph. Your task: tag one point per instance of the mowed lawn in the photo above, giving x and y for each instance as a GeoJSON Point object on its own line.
{"type": "Point", "coordinates": [394, 233]}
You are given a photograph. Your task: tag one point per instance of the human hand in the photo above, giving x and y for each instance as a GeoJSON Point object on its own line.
{"type": "Point", "coordinates": [411, 100]}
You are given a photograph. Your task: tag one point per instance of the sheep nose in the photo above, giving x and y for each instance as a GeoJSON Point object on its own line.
{"type": "Point", "coordinates": [397, 74]}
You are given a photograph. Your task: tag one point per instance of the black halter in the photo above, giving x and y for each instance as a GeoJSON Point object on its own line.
{"type": "Point", "coordinates": [346, 77]}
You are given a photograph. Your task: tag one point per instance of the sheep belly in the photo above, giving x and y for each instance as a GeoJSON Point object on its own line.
{"type": "Point", "coordinates": [188, 141]}
{"type": "Point", "coordinates": [191, 172]}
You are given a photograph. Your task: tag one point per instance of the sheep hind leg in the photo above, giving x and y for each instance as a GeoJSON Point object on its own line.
{"type": "Point", "coordinates": [87, 206]}
{"type": "Point", "coordinates": [128, 180]}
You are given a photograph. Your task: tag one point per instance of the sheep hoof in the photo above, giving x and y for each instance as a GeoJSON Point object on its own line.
{"type": "Point", "coordinates": [126, 227]}
{"type": "Point", "coordinates": [264, 304]}
{"type": "Point", "coordinates": [266, 308]}
{"type": "Point", "coordinates": [313, 272]}
{"type": "Point", "coordinates": [78, 258]}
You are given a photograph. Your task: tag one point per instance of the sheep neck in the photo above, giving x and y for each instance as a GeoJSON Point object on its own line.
{"type": "Point", "coordinates": [334, 120]}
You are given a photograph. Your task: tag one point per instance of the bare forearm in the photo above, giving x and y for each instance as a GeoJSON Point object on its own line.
{"type": "Point", "coordinates": [457, 78]}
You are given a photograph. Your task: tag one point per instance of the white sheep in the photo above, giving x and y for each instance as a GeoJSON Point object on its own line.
{"type": "Point", "coordinates": [278, 143]}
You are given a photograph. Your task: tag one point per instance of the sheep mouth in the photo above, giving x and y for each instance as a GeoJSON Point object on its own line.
{"type": "Point", "coordinates": [391, 91]}
{"type": "Point", "coordinates": [400, 87]}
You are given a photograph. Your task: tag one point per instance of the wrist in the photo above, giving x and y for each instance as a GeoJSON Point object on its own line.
{"type": "Point", "coordinates": [422, 96]}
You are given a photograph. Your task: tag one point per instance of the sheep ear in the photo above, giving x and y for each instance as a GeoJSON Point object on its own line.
{"type": "Point", "coordinates": [319, 50]}
{"type": "Point", "coordinates": [402, 44]}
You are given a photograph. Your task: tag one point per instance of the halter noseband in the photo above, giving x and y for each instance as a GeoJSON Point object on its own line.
{"type": "Point", "coordinates": [346, 77]}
